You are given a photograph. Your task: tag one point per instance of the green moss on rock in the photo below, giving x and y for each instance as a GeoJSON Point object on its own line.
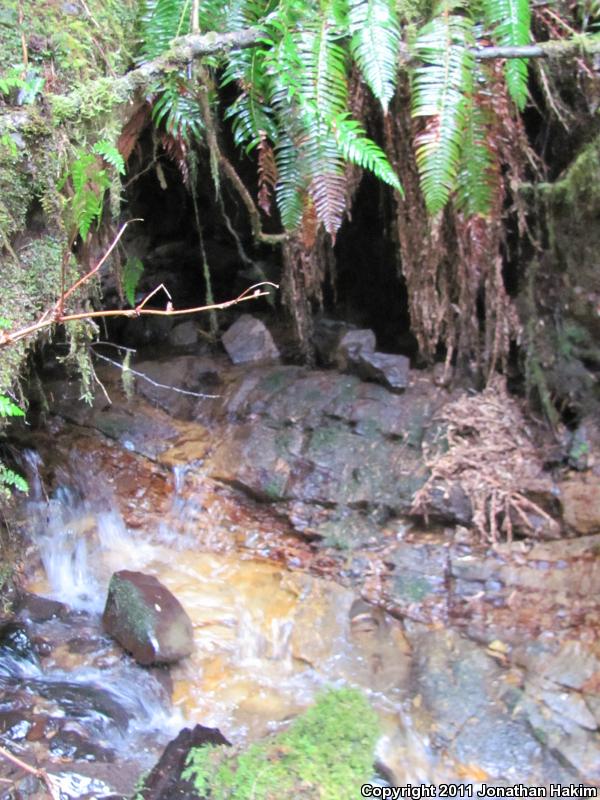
{"type": "Point", "coordinates": [326, 754]}
{"type": "Point", "coordinates": [131, 607]}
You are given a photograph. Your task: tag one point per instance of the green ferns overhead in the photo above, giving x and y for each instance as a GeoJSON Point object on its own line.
{"type": "Point", "coordinates": [293, 89]}
{"type": "Point", "coordinates": [440, 92]}
{"type": "Point", "coordinates": [455, 153]}
{"type": "Point", "coordinates": [292, 98]}
{"type": "Point", "coordinates": [511, 21]}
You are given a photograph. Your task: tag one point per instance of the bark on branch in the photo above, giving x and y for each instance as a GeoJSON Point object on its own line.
{"type": "Point", "coordinates": [185, 49]}
{"type": "Point", "coordinates": [555, 48]}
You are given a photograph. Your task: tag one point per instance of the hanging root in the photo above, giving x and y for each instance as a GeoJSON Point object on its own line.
{"type": "Point", "coordinates": [491, 454]}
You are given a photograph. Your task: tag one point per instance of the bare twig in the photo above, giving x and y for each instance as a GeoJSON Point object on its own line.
{"type": "Point", "coordinates": [56, 316]}
{"type": "Point", "coordinates": [145, 377]}
{"type": "Point", "coordinates": [38, 773]}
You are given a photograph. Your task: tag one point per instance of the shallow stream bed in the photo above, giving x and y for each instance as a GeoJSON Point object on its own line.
{"type": "Point", "coordinates": [485, 671]}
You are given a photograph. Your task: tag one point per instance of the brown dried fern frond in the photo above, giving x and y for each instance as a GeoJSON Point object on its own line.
{"type": "Point", "coordinates": [491, 453]}
{"type": "Point", "coordinates": [267, 174]}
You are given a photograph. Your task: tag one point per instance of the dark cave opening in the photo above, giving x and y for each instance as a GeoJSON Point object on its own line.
{"type": "Point", "coordinates": [367, 290]}
{"type": "Point", "coordinates": [371, 292]}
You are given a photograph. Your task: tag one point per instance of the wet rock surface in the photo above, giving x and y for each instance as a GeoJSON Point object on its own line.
{"type": "Point", "coordinates": [146, 619]}
{"type": "Point", "coordinates": [165, 781]}
{"type": "Point", "coordinates": [490, 652]}
{"type": "Point", "coordinates": [388, 369]}
{"type": "Point", "coordinates": [249, 339]}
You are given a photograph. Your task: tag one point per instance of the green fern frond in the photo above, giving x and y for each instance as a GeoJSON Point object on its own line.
{"type": "Point", "coordinates": [357, 148]}
{"type": "Point", "coordinates": [110, 154]}
{"type": "Point", "coordinates": [375, 42]}
{"type": "Point", "coordinates": [90, 181]}
{"type": "Point", "coordinates": [290, 188]}
{"type": "Point", "coordinates": [251, 113]}
{"type": "Point", "coordinates": [8, 408]}
{"type": "Point", "coordinates": [212, 15]}
{"type": "Point", "coordinates": [178, 110]}
{"type": "Point", "coordinates": [323, 97]}
{"type": "Point", "coordinates": [160, 22]}
{"type": "Point", "coordinates": [511, 20]}
{"type": "Point", "coordinates": [323, 80]}
{"type": "Point", "coordinates": [132, 272]}
{"type": "Point", "coordinates": [440, 89]}
{"type": "Point", "coordinates": [10, 478]}
{"type": "Point", "coordinates": [478, 180]}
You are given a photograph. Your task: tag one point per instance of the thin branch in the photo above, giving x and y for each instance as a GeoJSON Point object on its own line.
{"type": "Point", "coordinates": [153, 382]}
{"type": "Point", "coordinates": [95, 269]}
{"type": "Point", "coordinates": [246, 197]}
{"type": "Point", "coordinates": [55, 315]}
{"type": "Point", "coordinates": [38, 773]}
{"type": "Point", "coordinates": [151, 295]}
{"type": "Point", "coordinates": [554, 48]}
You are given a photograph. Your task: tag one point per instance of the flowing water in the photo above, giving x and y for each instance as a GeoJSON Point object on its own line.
{"type": "Point", "coordinates": [266, 639]}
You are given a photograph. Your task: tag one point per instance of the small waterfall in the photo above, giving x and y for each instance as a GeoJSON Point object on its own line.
{"type": "Point", "coordinates": [66, 562]}
{"type": "Point", "coordinates": [32, 463]}
{"type": "Point", "coordinates": [78, 551]}
{"type": "Point", "coordinates": [256, 647]}
{"type": "Point", "coordinates": [281, 638]}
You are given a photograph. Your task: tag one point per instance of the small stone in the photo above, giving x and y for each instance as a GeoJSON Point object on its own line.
{"type": "Point", "coordinates": [249, 340]}
{"type": "Point", "coordinates": [146, 619]}
{"type": "Point", "coordinates": [184, 335]}
{"type": "Point", "coordinates": [390, 370]}
{"type": "Point", "coordinates": [40, 609]}
{"type": "Point", "coordinates": [448, 503]}
{"type": "Point", "coordinates": [351, 345]}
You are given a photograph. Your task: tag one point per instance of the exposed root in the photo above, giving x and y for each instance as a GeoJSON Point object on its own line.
{"type": "Point", "coordinates": [492, 455]}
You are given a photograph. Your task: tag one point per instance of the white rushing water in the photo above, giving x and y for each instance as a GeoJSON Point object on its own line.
{"type": "Point", "coordinates": [266, 639]}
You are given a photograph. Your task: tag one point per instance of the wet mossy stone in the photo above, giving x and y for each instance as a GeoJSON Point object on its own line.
{"type": "Point", "coordinates": [146, 619]}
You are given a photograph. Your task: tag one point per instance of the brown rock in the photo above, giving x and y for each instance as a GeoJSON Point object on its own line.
{"type": "Point", "coordinates": [580, 496]}
{"type": "Point", "coordinates": [165, 781]}
{"type": "Point", "coordinates": [146, 619]}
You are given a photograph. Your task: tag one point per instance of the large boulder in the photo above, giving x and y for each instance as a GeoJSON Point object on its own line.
{"type": "Point", "coordinates": [146, 619]}
{"type": "Point", "coordinates": [248, 339]}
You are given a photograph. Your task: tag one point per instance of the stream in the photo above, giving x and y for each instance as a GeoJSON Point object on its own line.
{"type": "Point", "coordinates": [469, 684]}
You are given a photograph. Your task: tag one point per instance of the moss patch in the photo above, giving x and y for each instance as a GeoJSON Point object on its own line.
{"type": "Point", "coordinates": [326, 754]}
{"type": "Point", "coordinates": [67, 42]}
{"type": "Point", "coordinates": [130, 603]}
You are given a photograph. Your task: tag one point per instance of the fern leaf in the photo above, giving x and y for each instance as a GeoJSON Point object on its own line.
{"type": "Point", "coordinates": [90, 182]}
{"type": "Point", "coordinates": [478, 180]}
{"type": "Point", "coordinates": [110, 154]}
{"type": "Point", "coordinates": [440, 89]}
{"type": "Point", "coordinates": [362, 151]}
{"type": "Point", "coordinates": [375, 43]}
{"type": "Point", "coordinates": [178, 110]}
{"type": "Point", "coordinates": [10, 478]}
{"type": "Point", "coordinates": [511, 20]}
{"type": "Point", "coordinates": [8, 408]}
{"type": "Point", "coordinates": [323, 97]}
{"type": "Point", "coordinates": [251, 113]}
{"type": "Point", "coordinates": [132, 272]}
{"type": "Point", "coordinates": [160, 22]}
{"type": "Point", "coordinates": [324, 86]}
{"type": "Point", "coordinates": [328, 193]}
{"type": "Point", "coordinates": [290, 186]}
